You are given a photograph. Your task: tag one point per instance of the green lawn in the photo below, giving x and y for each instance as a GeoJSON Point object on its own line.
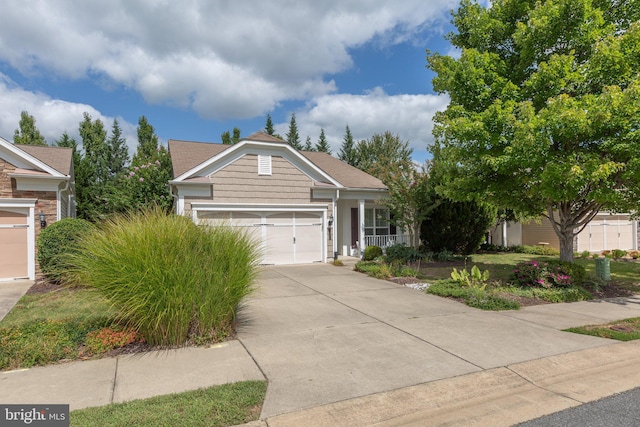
{"type": "Point", "coordinates": [224, 405]}
{"type": "Point", "coordinates": [78, 304]}
{"type": "Point", "coordinates": [622, 330]}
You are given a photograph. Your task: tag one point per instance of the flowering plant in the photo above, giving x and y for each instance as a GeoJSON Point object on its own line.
{"type": "Point", "coordinates": [535, 274]}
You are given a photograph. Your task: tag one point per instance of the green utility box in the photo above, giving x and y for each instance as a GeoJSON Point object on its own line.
{"type": "Point", "coordinates": [603, 268]}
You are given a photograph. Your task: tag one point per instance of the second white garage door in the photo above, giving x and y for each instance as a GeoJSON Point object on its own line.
{"type": "Point", "coordinates": [607, 232]}
{"type": "Point", "coordinates": [285, 237]}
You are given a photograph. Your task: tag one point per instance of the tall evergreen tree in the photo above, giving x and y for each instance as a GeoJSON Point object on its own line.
{"type": "Point", "coordinates": [225, 137]}
{"type": "Point", "coordinates": [228, 139]}
{"type": "Point", "coordinates": [307, 145]}
{"type": "Point", "coordinates": [147, 142]}
{"type": "Point", "coordinates": [27, 132]}
{"type": "Point", "coordinates": [293, 138]}
{"type": "Point", "coordinates": [347, 151]}
{"type": "Point", "coordinates": [322, 144]}
{"type": "Point", "coordinates": [268, 127]}
{"type": "Point", "coordinates": [117, 153]}
{"type": "Point", "coordinates": [236, 135]}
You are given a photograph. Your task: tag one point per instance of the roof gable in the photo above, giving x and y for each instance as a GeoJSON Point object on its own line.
{"type": "Point", "coordinates": [54, 161]}
{"type": "Point", "coordinates": [192, 160]}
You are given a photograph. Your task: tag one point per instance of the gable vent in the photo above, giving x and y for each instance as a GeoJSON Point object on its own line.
{"type": "Point", "coordinates": [264, 165]}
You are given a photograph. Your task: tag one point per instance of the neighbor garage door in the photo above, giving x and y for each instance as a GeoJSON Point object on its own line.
{"type": "Point", "coordinates": [14, 246]}
{"type": "Point", "coordinates": [607, 232]}
{"type": "Point", "coordinates": [285, 237]}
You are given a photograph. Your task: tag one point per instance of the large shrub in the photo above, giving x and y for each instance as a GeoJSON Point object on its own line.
{"type": "Point", "coordinates": [56, 242]}
{"type": "Point", "coordinates": [458, 227]}
{"type": "Point", "coordinates": [170, 279]}
{"type": "Point", "coordinates": [402, 253]}
{"type": "Point", "coordinates": [371, 253]}
{"type": "Point", "coordinates": [555, 273]}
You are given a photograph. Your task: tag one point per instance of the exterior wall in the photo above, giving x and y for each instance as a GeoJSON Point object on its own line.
{"type": "Point", "coordinates": [46, 203]}
{"type": "Point", "coordinates": [534, 233]}
{"type": "Point", "coordinates": [239, 182]}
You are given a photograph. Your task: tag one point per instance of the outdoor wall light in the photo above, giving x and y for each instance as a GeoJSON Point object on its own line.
{"type": "Point", "coordinates": [43, 219]}
{"type": "Point", "coordinates": [330, 223]}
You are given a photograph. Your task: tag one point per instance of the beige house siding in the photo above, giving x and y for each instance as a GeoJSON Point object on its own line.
{"type": "Point", "coordinates": [239, 182]}
{"type": "Point", "coordinates": [534, 233]}
{"type": "Point", "coordinates": [47, 200]}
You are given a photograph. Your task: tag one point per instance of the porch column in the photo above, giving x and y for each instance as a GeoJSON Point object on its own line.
{"type": "Point", "coordinates": [504, 234]}
{"type": "Point", "coordinates": [361, 226]}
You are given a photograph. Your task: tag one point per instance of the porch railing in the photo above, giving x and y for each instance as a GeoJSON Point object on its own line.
{"type": "Point", "coordinates": [385, 241]}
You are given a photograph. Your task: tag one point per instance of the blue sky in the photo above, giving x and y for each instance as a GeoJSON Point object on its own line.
{"type": "Point", "coordinates": [198, 68]}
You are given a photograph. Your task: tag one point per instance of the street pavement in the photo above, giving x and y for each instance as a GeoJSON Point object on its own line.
{"type": "Point", "coordinates": [620, 410]}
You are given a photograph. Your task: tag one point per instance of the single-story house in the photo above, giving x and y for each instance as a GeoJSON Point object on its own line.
{"type": "Point", "coordinates": [36, 189]}
{"type": "Point", "coordinates": [605, 232]}
{"type": "Point", "coordinates": [301, 206]}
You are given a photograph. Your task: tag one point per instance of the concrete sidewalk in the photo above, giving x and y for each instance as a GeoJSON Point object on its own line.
{"type": "Point", "coordinates": [340, 348]}
{"type": "Point", "coordinates": [10, 294]}
{"type": "Point", "coordinates": [137, 376]}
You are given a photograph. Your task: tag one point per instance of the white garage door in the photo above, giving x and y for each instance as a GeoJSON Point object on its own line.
{"type": "Point", "coordinates": [14, 252]}
{"type": "Point", "coordinates": [607, 232]}
{"type": "Point", "coordinates": [285, 237]}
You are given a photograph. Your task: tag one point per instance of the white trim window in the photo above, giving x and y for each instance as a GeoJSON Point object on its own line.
{"type": "Point", "coordinates": [376, 222]}
{"type": "Point", "coordinates": [264, 164]}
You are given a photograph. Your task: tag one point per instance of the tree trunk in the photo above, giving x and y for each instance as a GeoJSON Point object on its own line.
{"type": "Point", "coordinates": [566, 246]}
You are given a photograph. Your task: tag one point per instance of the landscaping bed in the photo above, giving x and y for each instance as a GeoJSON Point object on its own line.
{"type": "Point", "coordinates": [498, 292]}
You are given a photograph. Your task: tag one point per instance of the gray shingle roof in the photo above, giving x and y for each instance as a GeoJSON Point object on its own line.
{"type": "Point", "coordinates": [342, 172]}
{"type": "Point", "coordinates": [185, 155]}
{"type": "Point", "coordinates": [59, 158]}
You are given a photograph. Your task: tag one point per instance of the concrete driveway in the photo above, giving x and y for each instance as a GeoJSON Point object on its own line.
{"type": "Point", "coordinates": [323, 334]}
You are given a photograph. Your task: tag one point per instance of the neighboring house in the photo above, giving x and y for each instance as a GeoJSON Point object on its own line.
{"type": "Point", "coordinates": [302, 207]}
{"type": "Point", "coordinates": [605, 232]}
{"type": "Point", "coordinates": [36, 184]}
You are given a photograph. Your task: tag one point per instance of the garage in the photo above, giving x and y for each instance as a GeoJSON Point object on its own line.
{"type": "Point", "coordinates": [607, 233]}
{"type": "Point", "coordinates": [284, 237]}
{"type": "Point", "coordinates": [14, 244]}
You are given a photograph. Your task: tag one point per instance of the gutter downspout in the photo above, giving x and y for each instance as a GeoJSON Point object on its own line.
{"type": "Point", "coordinates": [335, 223]}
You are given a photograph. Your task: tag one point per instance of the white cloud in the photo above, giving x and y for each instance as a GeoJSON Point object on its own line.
{"type": "Point", "coordinates": [53, 116]}
{"type": "Point", "coordinates": [409, 116]}
{"type": "Point", "coordinates": [223, 59]}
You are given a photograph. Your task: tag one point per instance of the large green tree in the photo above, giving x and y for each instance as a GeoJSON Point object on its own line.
{"type": "Point", "coordinates": [27, 132]}
{"type": "Point", "coordinates": [323, 144]}
{"type": "Point", "coordinates": [409, 200]}
{"type": "Point", "coordinates": [348, 152]}
{"type": "Point", "coordinates": [383, 154]}
{"type": "Point", "coordinates": [545, 109]}
{"type": "Point", "coordinates": [117, 151]}
{"type": "Point", "coordinates": [147, 142]}
{"type": "Point", "coordinates": [293, 137]}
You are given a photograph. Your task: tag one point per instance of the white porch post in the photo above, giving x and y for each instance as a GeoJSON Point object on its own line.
{"type": "Point", "coordinates": [504, 234]}
{"type": "Point", "coordinates": [361, 226]}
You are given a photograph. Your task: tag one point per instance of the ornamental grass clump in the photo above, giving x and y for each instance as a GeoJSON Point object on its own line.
{"type": "Point", "coordinates": [168, 278]}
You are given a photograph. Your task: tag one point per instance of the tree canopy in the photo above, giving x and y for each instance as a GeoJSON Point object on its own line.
{"type": "Point", "coordinates": [347, 151]}
{"type": "Point", "coordinates": [293, 137]}
{"type": "Point", "coordinates": [544, 115]}
{"type": "Point", "coordinates": [323, 144]}
{"type": "Point", "coordinates": [27, 132]}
